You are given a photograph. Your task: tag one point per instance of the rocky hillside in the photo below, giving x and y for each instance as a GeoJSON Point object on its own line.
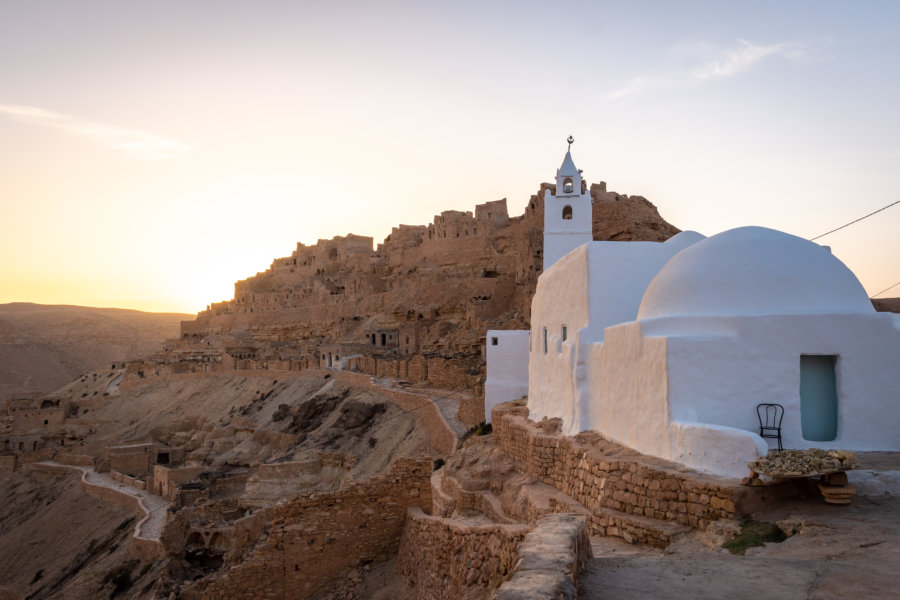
{"type": "Point", "coordinates": [427, 293]}
{"type": "Point", "coordinates": [58, 542]}
{"type": "Point", "coordinates": [887, 304]}
{"type": "Point", "coordinates": [44, 347]}
{"type": "Point", "coordinates": [233, 446]}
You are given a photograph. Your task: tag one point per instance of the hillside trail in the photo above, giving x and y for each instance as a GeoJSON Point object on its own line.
{"type": "Point", "coordinates": [155, 507]}
{"type": "Point", "coordinates": [446, 401]}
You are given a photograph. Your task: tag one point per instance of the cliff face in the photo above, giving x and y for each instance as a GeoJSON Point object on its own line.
{"type": "Point", "coordinates": [426, 290]}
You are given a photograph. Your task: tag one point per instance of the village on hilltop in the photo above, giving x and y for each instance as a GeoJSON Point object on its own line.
{"type": "Point", "coordinates": [475, 408]}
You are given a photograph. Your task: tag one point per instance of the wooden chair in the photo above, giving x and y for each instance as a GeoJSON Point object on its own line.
{"type": "Point", "coordinates": [770, 416]}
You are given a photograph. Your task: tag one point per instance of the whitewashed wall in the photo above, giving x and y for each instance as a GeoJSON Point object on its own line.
{"type": "Point", "coordinates": [507, 368]}
{"type": "Point", "coordinates": [561, 236]}
{"type": "Point", "coordinates": [671, 346]}
{"type": "Point", "coordinates": [593, 287]}
{"type": "Point", "coordinates": [720, 380]}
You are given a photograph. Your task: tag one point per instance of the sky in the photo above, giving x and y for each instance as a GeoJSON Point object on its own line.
{"type": "Point", "coordinates": [153, 153]}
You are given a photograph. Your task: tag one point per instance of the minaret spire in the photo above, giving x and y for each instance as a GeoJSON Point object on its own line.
{"type": "Point", "coordinates": [567, 212]}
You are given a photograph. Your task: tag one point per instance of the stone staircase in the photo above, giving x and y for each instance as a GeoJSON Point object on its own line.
{"type": "Point", "coordinates": [482, 479]}
{"type": "Point", "coordinates": [635, 529]}
{"type": "Point", "coordinates": [527, 470]}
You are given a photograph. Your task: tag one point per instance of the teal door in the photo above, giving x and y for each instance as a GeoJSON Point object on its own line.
{"type": "Point", "coordinates": [818, 397]}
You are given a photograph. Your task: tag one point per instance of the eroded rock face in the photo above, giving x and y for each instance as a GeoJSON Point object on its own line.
{"type": "Point", "coordinates": [429, 291]}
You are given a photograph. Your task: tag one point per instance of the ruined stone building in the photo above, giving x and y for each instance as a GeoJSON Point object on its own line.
{"type": "Point", "coordinates": [415, 306]}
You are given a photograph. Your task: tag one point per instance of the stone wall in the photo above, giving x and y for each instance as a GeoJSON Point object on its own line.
{"type": "Point", "coordinates": [471, 410]}
{"type": "Point", "coordinates": [36, 456]}
{"type": "Point", "coordinates": [451, 373]}
{"type": "Point", "coordinates": [601, 475]}
{"type": "Point", "coordinates": [165, 480]}
{"type": "Point", "coordinates": [37, 419]}
{"type": "Point", "coordinates": [115, 497]}
{"type": "Point", "coordinates": [127, 480]}
{"type": "Point", "coordinates": [550, 560]}
{"type": "Point", "coordinates": [7, 463]}
{"type": "Point", "coordinates": [517, 503]}
{"type": "Point", "coordinates": [295, 548]}
{"type": "Point", "coordinates": [67, 458]}
{"type": "Point", "coordinates": [447, 559]}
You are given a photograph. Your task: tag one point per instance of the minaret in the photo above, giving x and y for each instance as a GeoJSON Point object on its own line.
{"type": "Point", "coordinates": [567, 214]}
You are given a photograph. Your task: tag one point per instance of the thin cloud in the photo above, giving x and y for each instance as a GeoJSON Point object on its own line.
{"type": "Point", "coordinates": [134, 142]}
{"type": "Point", "coordinates": [727, 64]}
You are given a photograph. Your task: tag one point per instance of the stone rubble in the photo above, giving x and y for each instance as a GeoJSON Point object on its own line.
{"type": "Point", "coordinates": [804, 463]}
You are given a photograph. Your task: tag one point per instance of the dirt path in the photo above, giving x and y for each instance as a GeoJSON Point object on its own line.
{"type": "Point", "coordinates": [154, 506]}
{"type": "Point", "coordinates": [447, 401]}
{"type": "Point", "coordinates": [840, 552]}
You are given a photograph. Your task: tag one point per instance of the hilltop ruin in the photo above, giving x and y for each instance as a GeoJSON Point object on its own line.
{"type": "Point", "coordinates": [415, 307]}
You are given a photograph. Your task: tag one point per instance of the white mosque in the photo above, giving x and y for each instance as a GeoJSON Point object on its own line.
{"type": "Point", "coordinates": [668, 348]}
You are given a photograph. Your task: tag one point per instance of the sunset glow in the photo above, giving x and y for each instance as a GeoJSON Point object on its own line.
{"type": "Point", "coordinates": [153, 153]}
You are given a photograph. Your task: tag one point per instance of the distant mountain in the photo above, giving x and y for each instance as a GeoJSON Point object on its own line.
{"type": "Point", "coordinates": [44, 347]}
{"type": "Point", "coordinates": [887, 304]}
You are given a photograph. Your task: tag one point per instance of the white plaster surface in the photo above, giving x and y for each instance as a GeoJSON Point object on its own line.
{"type": "Point", "coordinates": [561, 236]}
{"type": "Point", "coordinates": [507, 368]}
{"type": "Point", "coordinates": [670, 347]}
{"type": "Point", "coordinates": [754, 271]}
{"type": "Point", "coordinates": [714, 449]}
{"type": "Point", "coordinates": [720, 379]}
{"type": "Point", "coordinates": [595, 286]}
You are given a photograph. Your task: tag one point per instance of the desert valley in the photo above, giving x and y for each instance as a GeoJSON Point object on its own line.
{"type": "Point", "coordinates": [449, 301]}
{"type": "Point", "coordinates": [323, 435]}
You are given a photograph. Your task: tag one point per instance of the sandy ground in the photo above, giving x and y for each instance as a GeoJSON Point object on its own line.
{"type": "Point", "coordinates": [840, 552]}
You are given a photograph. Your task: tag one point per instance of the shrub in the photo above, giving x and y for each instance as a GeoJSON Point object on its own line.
{"type": "Point", "coordinates": [754, 533]}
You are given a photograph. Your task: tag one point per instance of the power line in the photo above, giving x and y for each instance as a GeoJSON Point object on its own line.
{"type": "Point", "coordinates": [856, 221]}
{"type": "Point", "coordinates": [886, 289]}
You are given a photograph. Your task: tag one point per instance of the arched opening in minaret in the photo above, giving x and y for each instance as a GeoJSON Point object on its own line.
{"type": "Point", "coordinates": [567, 213]}
{"type": "Point", "coordinates": [568, 185]}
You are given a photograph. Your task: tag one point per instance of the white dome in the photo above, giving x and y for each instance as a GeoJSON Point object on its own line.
{"type": "Point", "coordinates": [684, 239]}
{"type": "Point", "coordinates": [753, 271]}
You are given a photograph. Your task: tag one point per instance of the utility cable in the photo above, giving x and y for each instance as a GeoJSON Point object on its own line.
{"type": "Point", "coordinates": [886, 289]}
{"type": "Point", "coordinates": [856, 221]}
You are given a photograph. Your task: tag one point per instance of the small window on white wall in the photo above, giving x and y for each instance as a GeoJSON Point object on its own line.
{"type": "Point", "coordinates": [545, 340]}
{"type": "Point", "coordinates": [494, 341]}
{"type": "Point", "coordinates": [567, 213]}
{"type": "Point", "coordinates": [565, 333]}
